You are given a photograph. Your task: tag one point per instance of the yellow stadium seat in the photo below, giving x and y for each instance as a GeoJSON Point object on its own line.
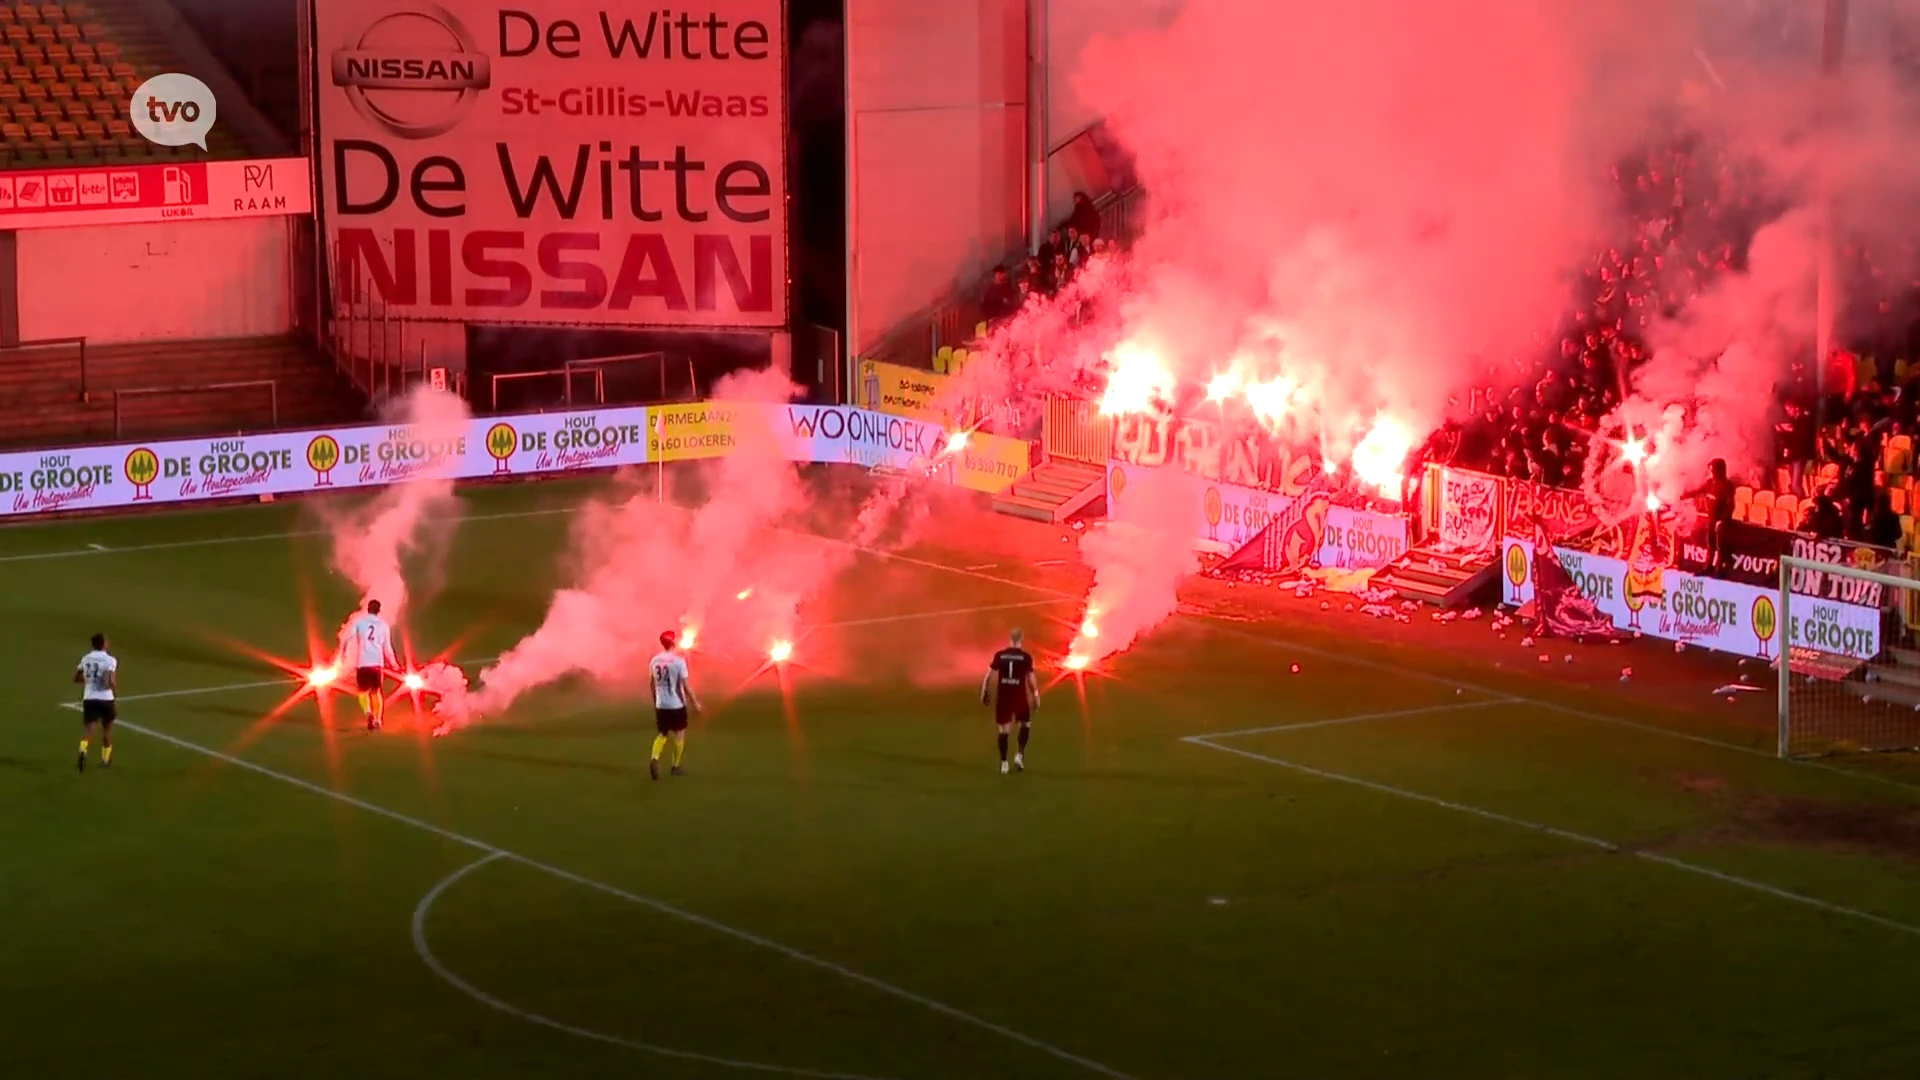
{"type": "Point", "coordinates": [1790, 503]}
{"type": "Point", "coordinates": [1757, 514]}
{"type": "Point", "coordinates": [1899, 459]}
{"type": "Point", "coordinates": [1763, 499]}
{"type": "Point", "coordinates": [1742, 496]}
{"type": "Point", "coordinates": [1830, 473]}
{"type": "Point", "coordinates": [980, 329]}
{"type": "Point", "coordinates": [1782, 519]}
{"type": "Point", "coordinates": [943, 359]}
{"type": "Point", "coordinates": [959, 361]}
{"type": "Point", "coordinates": [1898, 497]}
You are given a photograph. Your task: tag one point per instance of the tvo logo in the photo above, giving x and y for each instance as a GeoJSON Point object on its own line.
{"type": "Point", "coordinates": [173, 110]}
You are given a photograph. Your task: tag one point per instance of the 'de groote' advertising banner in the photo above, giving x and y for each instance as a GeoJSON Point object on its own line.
{"type": "Point", "coordinates": [290, 462]}
{"type": "Point", "coordinates": [555, 161]}
{"type": "Point", "coordinates": [1664, 602]}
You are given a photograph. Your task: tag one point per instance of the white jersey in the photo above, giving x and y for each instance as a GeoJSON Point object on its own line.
{"type": "Point", "coordinates": [369, 641]}
{"type": "Point", "coordinates": [669, 671]}
{"type": "Point", "coordinates": [96, 676]}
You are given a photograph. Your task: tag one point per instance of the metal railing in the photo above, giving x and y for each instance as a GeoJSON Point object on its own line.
{"type": "Point", "coordinates": [1075, 430]}
{"type": "Point", "coordinates": [368, 342]}
{"type": "Point", "coordinates": [54, 343]}
{"type": "Point", "coordinates": [272, 385]}
{"type": "Point", "coordinates": [493, 391]}
{"type": "Point", "coordinates": [594, 369]}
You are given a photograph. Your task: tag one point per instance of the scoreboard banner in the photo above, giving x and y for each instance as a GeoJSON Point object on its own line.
{"type": "Point", "coordinates": [138, 474]}
{"type": "Point", "coordinates": [556, 162]}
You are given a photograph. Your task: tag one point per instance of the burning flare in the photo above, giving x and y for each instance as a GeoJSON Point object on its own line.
{"type": "Point", "coordinates": [321, 676]}
{"type": "Point", "coordinates": [1138, 380]}
{"type": "Point", "coordinates": [780, 652]}
{"type": "Point", "coordinates": [1382, 455]}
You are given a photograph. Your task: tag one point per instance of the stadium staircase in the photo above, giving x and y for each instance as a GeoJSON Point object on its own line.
{"type": "Point", "coordinates": [1432, 576]}
{"type": "Point", "coordinates": [1893, 679]}
{"type": "Point", "coordinates": [1054, 492]}
{"type": "Point", "coordinates": [166, 389]}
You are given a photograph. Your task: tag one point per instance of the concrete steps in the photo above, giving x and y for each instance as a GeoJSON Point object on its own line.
{"type": "Point", "coordinates": [45, 406]}
{"type": "Point", "coordinates": [1441, 578]}
{"type": "Point", "coordinates": [1054, 492]}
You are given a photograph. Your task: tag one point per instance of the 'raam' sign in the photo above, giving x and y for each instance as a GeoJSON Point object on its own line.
{"type": "Point", "coordinates": [551, 161]}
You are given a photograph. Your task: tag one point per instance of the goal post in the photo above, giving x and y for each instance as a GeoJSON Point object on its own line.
{"type": "Point", "coordinates": [1849, 668]}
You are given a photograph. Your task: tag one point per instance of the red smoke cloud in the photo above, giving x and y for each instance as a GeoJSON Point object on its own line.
{"type": "Point", "coordinates": [1139, 559]}
{"type": "Point", "coordinates": [407, 522]}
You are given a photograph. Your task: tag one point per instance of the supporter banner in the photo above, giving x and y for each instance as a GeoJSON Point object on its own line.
{"type": "Point", "coordinates": [1339, 537]}
{"type": "Point", "coordinates": [902, 391]}
{"type": "Point", "coordinates": [182, 191]}
{"type": "Point", "coordinates": [1727, 616]}
{"type": "Point", "coordinates": [1560, 513]}
{"type": "Point", "coordinates": [549, 161]}
{"type": "Point", "coordinates": [1469, 509]}
{"type": "Point", "coordinates": [291, 462]}
{"type": "Point", "coordinates": [1249, 456]}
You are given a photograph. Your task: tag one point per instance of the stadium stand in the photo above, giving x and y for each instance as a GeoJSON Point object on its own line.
{"type": "Point", "coordinates": [67, 71]}
{"type": "Point", "coordinates": [157, 389]}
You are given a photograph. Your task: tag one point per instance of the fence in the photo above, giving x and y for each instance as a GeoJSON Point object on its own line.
{"type": "Point", "coordinates": [54, 343]}
{"type": "Point", "coordinates": [1074, 430]}
{"type": "Point", "coordinates": [120, 397]}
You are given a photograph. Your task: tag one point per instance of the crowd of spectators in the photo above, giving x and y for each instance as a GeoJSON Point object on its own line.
{"type": "Point", "coordinates": [1698, 209]}
{"type": "Point", "coordinates": [1049, 268]}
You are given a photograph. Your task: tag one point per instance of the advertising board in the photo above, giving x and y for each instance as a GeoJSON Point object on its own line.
{"type": "Point", "coordinates": [178, 191]}
{"type": "Point", "coordinates": [554, 162]}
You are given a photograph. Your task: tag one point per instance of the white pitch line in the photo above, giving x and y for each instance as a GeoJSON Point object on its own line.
{"type": "Point", "coordinates": [648, 902]}
{"type": "Point", "coordinates": [1564, 834]}
{"type": "Point", "coordinates": [256, 538]}
{"type": "Point", "coordinates": [1363, 718]}
{"type": "Point", "coordinates": [434, 964]}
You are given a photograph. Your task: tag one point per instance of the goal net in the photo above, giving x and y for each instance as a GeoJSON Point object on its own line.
{"type": "Point", "coordinates": [1850, 662]}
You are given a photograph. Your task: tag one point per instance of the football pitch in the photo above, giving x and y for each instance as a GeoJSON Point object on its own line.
{"type": "Point", "coordinates": [1418, 856]}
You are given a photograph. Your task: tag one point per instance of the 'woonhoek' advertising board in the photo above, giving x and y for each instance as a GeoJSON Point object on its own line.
{"type": "Point", "coordinates": [556, 162]}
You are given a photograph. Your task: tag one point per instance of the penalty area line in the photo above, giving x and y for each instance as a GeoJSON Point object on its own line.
{"type": "Point", "coordinates": [661, 907]}
{"type": "Point", "coordinates": [1564, 834]}
{"type": "Point", "coordinates": [1425, 710]}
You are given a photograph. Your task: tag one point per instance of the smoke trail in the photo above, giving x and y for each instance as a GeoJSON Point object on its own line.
{"type": "Point", "coordinates": [1138, 560]}
{"type": "Point", "coordinates": [413, 519]}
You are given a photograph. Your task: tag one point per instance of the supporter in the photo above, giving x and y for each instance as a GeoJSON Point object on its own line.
{"type": "Point", "coordinates": [1717, 497]}
{"type": "Point", "coordinates": [1001, 299]}
{"type": "Point", "coordinates": [1883, 525]}
{"type": "Point", "coordinates": [1823, 517]}
{"type": "Point", "coordinates": [1085, 217]}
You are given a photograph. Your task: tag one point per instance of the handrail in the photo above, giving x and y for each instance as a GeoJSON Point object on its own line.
{"type": "Point", "coordinates": [54, 342]}
{"type": "Point", "coordinates": [508, 376]}
{"type": "Point", "coordinates": [272, 385]}
{"type": "Point", "coordinates": [598, 363]}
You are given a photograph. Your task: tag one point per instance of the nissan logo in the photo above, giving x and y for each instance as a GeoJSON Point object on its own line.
{"type": "Point", "coordinates": [415, 71]}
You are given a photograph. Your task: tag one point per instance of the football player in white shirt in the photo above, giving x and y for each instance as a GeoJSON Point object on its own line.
{"type": "Point", "coordinates": [98, 676]}
{"type": "Point", "coordinates": [672, 696]}
{"type": "Point", "coordinates": [367, 643]}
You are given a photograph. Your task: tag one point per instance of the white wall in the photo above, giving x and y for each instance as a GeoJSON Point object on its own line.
{"type": "Point", "coordinates": [115, 283]}
{"type": "Point", "coordinates": [1071, 25]}
{"type": "Point", "coordinates": [937, 127]}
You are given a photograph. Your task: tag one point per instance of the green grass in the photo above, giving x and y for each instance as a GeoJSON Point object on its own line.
{"type": "Point", "coordinates": [844, 882]}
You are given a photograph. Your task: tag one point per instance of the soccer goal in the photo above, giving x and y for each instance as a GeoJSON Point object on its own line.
{"type": "Point", "coordinates": [1849, 658]}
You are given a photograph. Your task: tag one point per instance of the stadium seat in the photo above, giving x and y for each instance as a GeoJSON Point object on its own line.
{"type": "Point", "coordinates": [943, 359]}
{"type": "Point", "coordinates": [1763, 498]}
{"type": "Point", "coordinates": [1898, 498]}
{"type": "Point", "coordinates": [1742, 497]}
{"type": "Point", "coordinates": [1899, 457]}
{"type": "Point", "coordinates": [1782, 519]}
{"type": "Point", "coordinates": [959, 361]}
{"type": "Point", "coordinates": [1790, 503]}
{"type": "Point", "coordinates": [980, 330]}
{"type": "Point", "coordinates": [1830, 473]}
